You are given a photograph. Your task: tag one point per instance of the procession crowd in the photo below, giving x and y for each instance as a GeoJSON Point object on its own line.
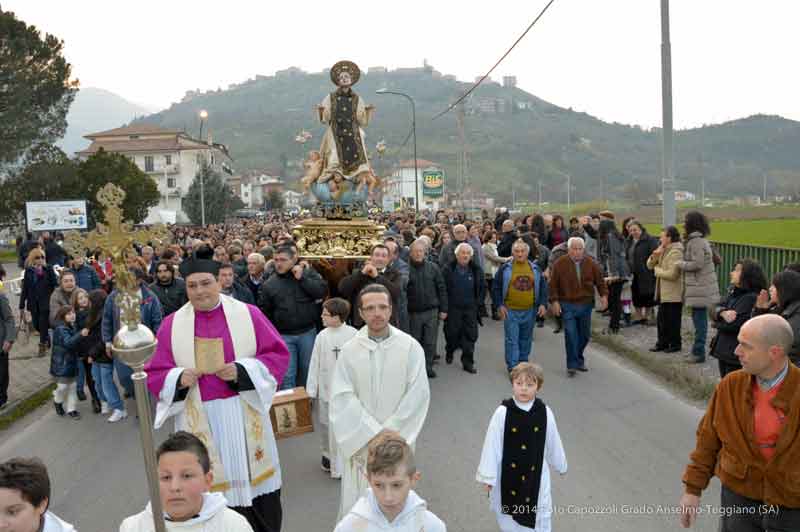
{"type": "Point", "coordinates": [433, 271]}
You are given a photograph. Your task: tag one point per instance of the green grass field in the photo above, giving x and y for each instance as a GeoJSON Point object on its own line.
{"type": "Point", "coordinates": [782, 233]}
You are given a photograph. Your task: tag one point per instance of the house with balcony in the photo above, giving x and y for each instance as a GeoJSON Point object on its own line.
{"type": "Point", "coordinates": [170, 156]}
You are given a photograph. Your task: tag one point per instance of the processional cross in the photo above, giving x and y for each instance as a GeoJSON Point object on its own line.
{"type": "Point", "coordinates": [134, 344]}
{"type": "Point", "coordinates": [115, 238]}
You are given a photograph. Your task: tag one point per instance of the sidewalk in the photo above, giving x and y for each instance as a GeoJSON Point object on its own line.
{"type": "Point", "coordinates": [694, 380]}
{"type": "Point", "coordinates": [29, 374]}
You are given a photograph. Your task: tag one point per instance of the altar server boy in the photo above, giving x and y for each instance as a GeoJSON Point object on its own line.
{"type": "Point", "coordinates": [521, 445]}
{"type": "Point", "coordinates": [185, 478]}
{"type": "Point", "coordinates": [390, 502]}
{"type": "Point", "coordinates": [25, 497]}
{"type": "Point", "coordinates": [327, 347]}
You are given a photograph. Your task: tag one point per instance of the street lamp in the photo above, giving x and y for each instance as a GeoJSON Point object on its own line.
{"type": "Point", "coordinates": [414, 133]}
{"type": "Point", "coordinates": [203, 118]}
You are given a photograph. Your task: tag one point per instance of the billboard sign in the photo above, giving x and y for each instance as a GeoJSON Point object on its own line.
{"type": "Point", "coordinates": [55, 215]}
{"type": "Point", "coordinates": [433, 184]}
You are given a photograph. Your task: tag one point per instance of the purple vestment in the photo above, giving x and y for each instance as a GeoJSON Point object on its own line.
{"type": "Point", "coordinates": [270, 350]}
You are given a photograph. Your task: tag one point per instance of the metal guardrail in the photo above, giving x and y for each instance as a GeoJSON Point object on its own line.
{"type": "Point", "coordinates": [772, 259]}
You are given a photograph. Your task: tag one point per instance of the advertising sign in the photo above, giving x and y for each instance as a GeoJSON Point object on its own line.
{"type": "Point", "coordinates": [55, 215]}
{"type": "Point", "coordinates": [433, 184]}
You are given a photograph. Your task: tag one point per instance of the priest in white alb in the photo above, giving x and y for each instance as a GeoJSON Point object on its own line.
{"type": "Point", "coordinates": [379, 383]}
{"type": "Point", "coordinates": [216, 368]}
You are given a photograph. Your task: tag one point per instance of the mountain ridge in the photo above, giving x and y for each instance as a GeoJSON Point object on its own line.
{"type": "Point", "coordinates": [534, 140]}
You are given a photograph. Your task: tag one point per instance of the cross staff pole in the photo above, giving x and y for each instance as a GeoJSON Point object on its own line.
{"type": "Point", "coordinates": [134, 344]}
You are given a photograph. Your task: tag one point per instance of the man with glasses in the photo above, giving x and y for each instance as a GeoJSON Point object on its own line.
{"type": "Point", "coordinates": [379, 382]}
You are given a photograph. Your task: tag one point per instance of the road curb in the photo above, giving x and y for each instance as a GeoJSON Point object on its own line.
{"type": "Point", "coordinates": [21, 407]}
{"type": "Point", "coordinates": [677, 374]}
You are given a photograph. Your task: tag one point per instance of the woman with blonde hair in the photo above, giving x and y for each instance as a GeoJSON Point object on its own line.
{"type": "Point", "coordinates": [669, 290]}
{"type": "Point", "coordinates": [38, 284]}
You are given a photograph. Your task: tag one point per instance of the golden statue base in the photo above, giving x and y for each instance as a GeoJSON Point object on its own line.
{"type": "Point", "coordinates": [319, 238]}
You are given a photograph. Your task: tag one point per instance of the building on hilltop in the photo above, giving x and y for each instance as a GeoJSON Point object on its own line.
{"type": "Point", "coordinates": [290, 72]}
{"type": "Point", "coordinates": [170, 156]}
{"type": "Point", "coordinates": [377, 70]}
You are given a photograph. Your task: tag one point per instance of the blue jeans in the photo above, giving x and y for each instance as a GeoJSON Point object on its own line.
{"type": "Point", "coordinates": [577, 331]}
{"type": "Point", "coordinates": [300, 347]}
{"type": "Point", "coordinates": [124, 373]}
{"type": "Point", "coordinates": [81, 375]}
{"type": "Point", "coordinates": [104, 385]}
{"type": "Point", "coordinates": [700, 321]}
{"type": "Point", "coordinates": [518, 328]}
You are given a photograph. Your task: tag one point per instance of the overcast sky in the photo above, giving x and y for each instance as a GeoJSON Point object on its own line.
{"type": "Point", "coordinates": [731, 58]}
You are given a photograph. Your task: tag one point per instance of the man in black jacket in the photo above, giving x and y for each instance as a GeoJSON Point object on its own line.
{"type": "Point", "coordinates": [427, 301]}
{"type": "Point", "coordinates": [231, 286]}
{"type": "Point", "coordinates": [171, 292]}
{"type": "Point", "coordinates": [256, 276]}
{"type": "Point", "coordinates": [507, 239]}
{"type": "Point", "coordinates": [466, 289]}
{"type": "Point", "coordinates": [376, 270]}
{"type": "Point", "coordinates": [288, 299]}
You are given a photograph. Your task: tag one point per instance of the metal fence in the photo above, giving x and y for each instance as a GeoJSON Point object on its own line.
{"type": "Point", "coordinates": [772, 260]}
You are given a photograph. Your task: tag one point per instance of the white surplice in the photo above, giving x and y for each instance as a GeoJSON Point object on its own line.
{"type": "Point", "coordinates": [226, 419]}
{"type": "Point", "coordinates": [490, 469]}
{"type": "Point", "coordinates": [327, 346]}
{"type": "Point", "coordinates": [367, 516]}
{"type": "Point", "coordinates": [376, 386]}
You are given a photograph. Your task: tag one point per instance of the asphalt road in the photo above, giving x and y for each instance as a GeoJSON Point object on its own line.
{"type": "Point", "coordinates": [627, 440]}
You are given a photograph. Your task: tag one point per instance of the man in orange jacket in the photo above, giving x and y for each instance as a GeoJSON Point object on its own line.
{"type": "Point", "coordinates": [747, 436]}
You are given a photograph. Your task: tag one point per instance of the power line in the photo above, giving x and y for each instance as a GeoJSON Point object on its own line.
{"type": "Point", "coordinates": [475, 86]}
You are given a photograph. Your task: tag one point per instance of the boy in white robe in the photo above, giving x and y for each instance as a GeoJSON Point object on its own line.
{"type": "Point", "coordinates": [25, 497]}
{"type": "Point", "coordinates": [327, 347]}
{"type": "Point", "coordinates": [379, 383]}
{"type": "Point", "coordinates": [519, 436]}
{"type": "Point", "coordinates": [390, 502]}
{"type": "Point", "coordinates": [185, 478]}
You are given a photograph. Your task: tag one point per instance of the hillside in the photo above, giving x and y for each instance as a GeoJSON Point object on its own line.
{"type": "Point", "coordinates": [259, 120]}
{"type": "Point", "coordinates": [96, 110]}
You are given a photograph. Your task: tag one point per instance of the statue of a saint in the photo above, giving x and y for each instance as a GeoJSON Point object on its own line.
{"type": "Point", "coordinates": [344, 153]}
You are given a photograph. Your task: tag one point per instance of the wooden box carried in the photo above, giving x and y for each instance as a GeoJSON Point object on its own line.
{"type": "Point", "coordinates": [290, 413]}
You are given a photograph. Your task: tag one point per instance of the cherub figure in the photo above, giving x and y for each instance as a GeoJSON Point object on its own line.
{"type": "Point", "coordinates": [369, 179]}
{"type": "Point", "coordinates": [313, 166]}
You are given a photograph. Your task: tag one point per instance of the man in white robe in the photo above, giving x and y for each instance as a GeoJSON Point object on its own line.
{"type": "Point", "coordinates": [379, 383]}
{"type": "Point", "coordinates": [216, 368]}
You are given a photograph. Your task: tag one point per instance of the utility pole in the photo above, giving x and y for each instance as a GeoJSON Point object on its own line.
{"type": "Point", "coordinates": [540, 194]}
{"type": "Point", "coordinates": [703, 191]}
{"type": "Point", "coordinates": [513, 197]}
{"type": "Point", "coordinates": [569, 193]}
{"type": "Point", "coordinates": [667, 178]}
{"type": "Point", "coordinates": [765, 187]}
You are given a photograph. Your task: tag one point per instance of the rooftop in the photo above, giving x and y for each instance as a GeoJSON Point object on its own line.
{"type": "Point", "coordinates": [137, 129]}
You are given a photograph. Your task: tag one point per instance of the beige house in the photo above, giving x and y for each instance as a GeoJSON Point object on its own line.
{"type": "Point", "coordinates": [170, 156]}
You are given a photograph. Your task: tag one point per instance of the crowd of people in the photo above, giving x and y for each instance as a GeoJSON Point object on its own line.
{"type": "Point", "coordinates": [430, 273]}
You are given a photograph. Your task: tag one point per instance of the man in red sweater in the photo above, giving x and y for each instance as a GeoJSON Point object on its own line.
{"type": "Point", "coordinates": [748, 436]}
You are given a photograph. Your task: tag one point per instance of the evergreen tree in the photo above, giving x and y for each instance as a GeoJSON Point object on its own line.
{"type": "Point", "coordinates": [220, 201]}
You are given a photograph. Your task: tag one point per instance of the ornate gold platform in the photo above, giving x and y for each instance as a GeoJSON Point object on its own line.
{"type": "Point", "coordinates": [319, 238]}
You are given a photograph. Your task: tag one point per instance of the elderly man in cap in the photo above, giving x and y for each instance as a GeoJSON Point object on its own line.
{"type": "Point", "coordinates": [216, 368]}
{"type": "Point", "coordinates": [748, 437]}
